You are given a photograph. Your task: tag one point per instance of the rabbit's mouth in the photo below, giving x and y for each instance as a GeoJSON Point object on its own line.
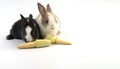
{"type": "Point", "coordinates": [52, 28]}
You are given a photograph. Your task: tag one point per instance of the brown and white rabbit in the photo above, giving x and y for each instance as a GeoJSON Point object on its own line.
{"type": "Point", "coordinates": [47, 21]}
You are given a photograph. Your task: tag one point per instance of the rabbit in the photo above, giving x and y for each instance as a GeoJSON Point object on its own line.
{"type": "Point", "coordinates": [47, 21]}
{"type": "Point", "coordinates": [25, 29]}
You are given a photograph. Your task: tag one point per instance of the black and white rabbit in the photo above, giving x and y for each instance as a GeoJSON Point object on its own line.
{"type": "Point", "coordinates": [25, 29]}
{"type": "Point", "coordinates": [48, 21]}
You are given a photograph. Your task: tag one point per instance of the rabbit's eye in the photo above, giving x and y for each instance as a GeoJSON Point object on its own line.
{"type": "Point", "coordinates": [46, 21]}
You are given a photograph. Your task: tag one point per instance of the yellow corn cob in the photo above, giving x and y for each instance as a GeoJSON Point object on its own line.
{"type": "Point", "coordinates": [44, 42]}
{"type": "Point", "coordinates": [35, 44]}
{"type": "Point", "coordinates": [60, 41]}
{"type": "Point", "coordinates": [55, 40]}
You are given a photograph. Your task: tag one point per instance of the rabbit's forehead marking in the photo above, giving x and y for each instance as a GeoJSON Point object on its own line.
{"type": "Point", "coordinates": [28, 29]}
{"type": "Point", "coordinates": [28, 36]}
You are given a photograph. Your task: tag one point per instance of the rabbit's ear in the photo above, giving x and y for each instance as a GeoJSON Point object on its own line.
{"type": "Point", "coordinates": [30, 18]}
{"type": "Point", "coordinates": [48, 8]}
{"type": "Point", "coordinates": [22, 17]}
{"type": "Point", "coordinates": [41, 9]}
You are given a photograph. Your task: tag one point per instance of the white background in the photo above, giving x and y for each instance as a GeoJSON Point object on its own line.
{"type": "Point", "coordinates": [93, 26]}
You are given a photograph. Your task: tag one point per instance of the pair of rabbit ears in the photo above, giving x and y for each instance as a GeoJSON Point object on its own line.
{"type": "Point", "coordinates": [22, 17]}
{"type": "Point", "coordinates": [30, 18]}
{"type": "Point", "coordinates": [42, 9]}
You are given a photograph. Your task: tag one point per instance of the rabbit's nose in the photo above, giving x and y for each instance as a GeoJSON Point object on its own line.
{"type": "Point", "coordinates": [29, 39]}
{"type": "Point", "coordinates": [52, 28]}
{"type": "Point", "coordinates": [51, 25]}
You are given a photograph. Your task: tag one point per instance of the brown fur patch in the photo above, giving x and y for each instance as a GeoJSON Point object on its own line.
{"type": "Point", "coordinates": [44, 19]}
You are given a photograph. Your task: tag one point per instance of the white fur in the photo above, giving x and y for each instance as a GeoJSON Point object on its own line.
{"type": "Point", "coordinates": [52, 24]}
{"type": "Point", "coordinates": [28, 36]}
